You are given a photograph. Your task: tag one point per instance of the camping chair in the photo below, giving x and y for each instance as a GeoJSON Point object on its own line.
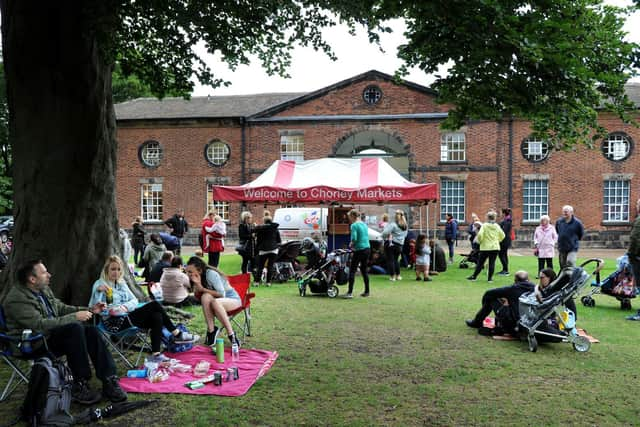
{"type": "Point", "coordinates": [131, 339]}
{"type": "Point", "coordinates": [11, 353]}
{"type": "Point", "coordinates": [240, 318]}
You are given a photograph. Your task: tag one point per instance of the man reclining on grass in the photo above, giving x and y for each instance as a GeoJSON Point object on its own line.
{"type": "Point", "coordinates": [504, 302]}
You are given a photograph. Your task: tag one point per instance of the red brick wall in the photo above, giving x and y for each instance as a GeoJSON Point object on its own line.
{"type": "Point", "coordinates": [575, 177]}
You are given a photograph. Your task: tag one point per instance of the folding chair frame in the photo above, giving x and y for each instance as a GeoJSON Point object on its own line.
{"type": "Point", "coordinates": [132, 339]}
{"type": "Point", "coordinates": [7, 343]}
{"type": "Point", "coordinates": [240, 318]}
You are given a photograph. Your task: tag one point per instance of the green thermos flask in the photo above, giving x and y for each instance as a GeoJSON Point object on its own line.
{"type": "Point", "coordinates": [220, 350]}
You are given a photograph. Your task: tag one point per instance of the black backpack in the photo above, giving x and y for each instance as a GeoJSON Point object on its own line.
{"type": "Point", "coordinates": [48, 398]}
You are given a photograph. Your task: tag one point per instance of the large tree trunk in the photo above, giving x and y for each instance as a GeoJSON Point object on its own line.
{"type": "Point", "coordinates": [62, 130]}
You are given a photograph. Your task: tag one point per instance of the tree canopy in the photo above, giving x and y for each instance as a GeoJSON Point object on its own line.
{"type": "Point", "coordinates": [551, 62]}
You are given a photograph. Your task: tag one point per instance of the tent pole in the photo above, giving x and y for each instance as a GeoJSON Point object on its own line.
{"type": "Point", "coordinates": [420, 214]}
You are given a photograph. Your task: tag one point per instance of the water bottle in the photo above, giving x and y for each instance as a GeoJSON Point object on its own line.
{"type": "Point", "coordinates": [220, 350]}
{"type": "Point", "coordinates": [25, 345]}
{"type": "Point", "coordinates": [235, 352]}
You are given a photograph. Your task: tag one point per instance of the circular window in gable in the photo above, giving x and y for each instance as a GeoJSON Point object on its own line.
{"type": "Point", "coordinates": [372, 94]}
{"type": "Point", "coordinates": [534, 149]}
{"type": "Point", "coordinates": [216, 152]}
{"type": "Point", "coordinates": [617, 146]}
{"type": "Point", "coordinates": [150, 153]}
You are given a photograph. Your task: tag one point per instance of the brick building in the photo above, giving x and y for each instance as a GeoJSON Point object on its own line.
{"type": "Point", "coordinates": [170, 152]}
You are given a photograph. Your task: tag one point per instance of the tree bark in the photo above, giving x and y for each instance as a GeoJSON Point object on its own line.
{"type": "Point", "coordinates": [62, 131]}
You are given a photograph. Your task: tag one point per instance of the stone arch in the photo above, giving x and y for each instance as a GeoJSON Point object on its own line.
{"type": "Point", "coordinates": [390, 143]}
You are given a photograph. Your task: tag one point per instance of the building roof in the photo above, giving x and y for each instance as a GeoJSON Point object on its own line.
{"type": "Point", "coordinates": [257, 105]}
{"type": "Point", "coordinates": [200, 107]}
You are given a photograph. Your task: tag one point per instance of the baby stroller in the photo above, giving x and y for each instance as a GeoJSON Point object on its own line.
{"type": "Point", "coordinates": [284, 267]}
{"type": "Point", "coordinates": [327, 272]}
{"type": "Point", "coordinates": [619, 284]}
{"type": "Point", "coordinates": [470, 258]}
{"type": "Point", "coordinates": [535, 315]}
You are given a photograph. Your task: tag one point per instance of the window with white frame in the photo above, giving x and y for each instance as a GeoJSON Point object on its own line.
{"type": "Point", "coordinates": [452, 199]}
{"type": "Point", "coordinates": [221, 208]}
{"type": "Point", "coordinates": [216, 152]}
{"type": "Point", "coordinates": [534, 149]}
{"type": "Point", "coordinates": [617, 146]}
{"type": "Point", "coordinates": [535, 201]}
{"type": "Point", "coordinates": [292, 147]}
{"type": "Point", "coordinates": [151, 202]}
{"type": "Point", "coordinates": [452, 147]}
{"type": "Point", "coordinates": [150, 153]}
{"type": "Point", "coordinates": [616, 201]}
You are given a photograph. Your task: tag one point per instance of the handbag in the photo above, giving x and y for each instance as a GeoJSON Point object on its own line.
{"type": "Point", "coordinates": [535, 251]}
{"type": "Point", "coordinates": [115, 324]}
{"type": "Point", "coordinates": [241, 248]}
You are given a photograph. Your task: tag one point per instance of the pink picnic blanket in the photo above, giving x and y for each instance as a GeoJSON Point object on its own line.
{"type": "Point", "coordinates": [252, 365]}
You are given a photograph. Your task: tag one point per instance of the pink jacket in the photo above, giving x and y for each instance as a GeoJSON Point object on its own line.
{"type": "Point", "coordinates": [175, 285]}
{"type": "Point", "coordinates": [545, 240]}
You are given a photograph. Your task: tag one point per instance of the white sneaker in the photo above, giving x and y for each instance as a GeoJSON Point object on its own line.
{"type": "Point", "coordinates": [392, 279]}
{"type": "Point", "coordinates": [399, 278]}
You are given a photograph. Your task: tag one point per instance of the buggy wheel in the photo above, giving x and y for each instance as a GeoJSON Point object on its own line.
{"type": "Point", "coordinates": [332, 291]}
{"type": "Point", "coordinates": [625, 304]}
{"type": "Point", "coordinates": [533, 343]}
{"type": "Point", "coordinates": [587, 301]}
{"type": "Point", "coordinates": [302, 288]}
{"type": "Point", "coordinates": [581, 344]}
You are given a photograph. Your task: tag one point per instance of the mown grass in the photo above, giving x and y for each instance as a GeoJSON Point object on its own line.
{"type": "Point", "coordinates": [405, 357]}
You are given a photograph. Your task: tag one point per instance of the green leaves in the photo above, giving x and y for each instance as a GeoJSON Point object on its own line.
{"type": "Point", "coordinates": [551, 62]}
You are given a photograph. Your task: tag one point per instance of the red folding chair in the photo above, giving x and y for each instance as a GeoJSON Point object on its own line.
{"type": "Point", "coordinates": [241, 316]}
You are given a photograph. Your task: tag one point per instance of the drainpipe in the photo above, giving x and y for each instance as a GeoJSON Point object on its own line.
{"type": "Point", "coordinates": [510, 167]}
{"type": "Point", "coordinates": [243, 150]}
{"type": "Point", "coordinates": [243, 155]}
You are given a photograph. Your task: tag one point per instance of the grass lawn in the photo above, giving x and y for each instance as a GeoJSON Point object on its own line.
{"type": "Point", "coordinates": [405, 357]}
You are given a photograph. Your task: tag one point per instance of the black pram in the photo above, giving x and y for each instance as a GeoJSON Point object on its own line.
{"type": "Point", "coordinates": [534, 314]}
{"type": "Point", "coordinates": [620, 284]}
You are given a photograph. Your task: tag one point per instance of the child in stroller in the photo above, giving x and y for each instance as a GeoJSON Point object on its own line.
{"type": "Point", "coordinates": [324, 273]}
{"type": "Point", "coordinates": [284, 266]}
{"type": "Point", "coordinates": [536, 310]}
{"type": "Point", "coordinates": [472, 257]}
{"type": "Point", "coordinates": [619, 284]}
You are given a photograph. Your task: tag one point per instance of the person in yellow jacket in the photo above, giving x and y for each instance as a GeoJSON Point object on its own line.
{"type": "Point", "coordinates": [489, 238]}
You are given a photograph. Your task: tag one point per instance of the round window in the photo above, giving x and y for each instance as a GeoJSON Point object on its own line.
{"type": "Point", "coordinates": [150, 153]}
{"type": "Point", "coordinates": [216, 152]}
{"type": "Point", "coordinates": [372, 94]}
{"type": "Point", "coordinates": [534, 149]}
{"type": "Point", "coordinates": [617, 146]}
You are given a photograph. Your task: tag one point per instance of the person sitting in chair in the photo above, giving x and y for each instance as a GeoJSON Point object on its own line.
{"type": "Point", "coordinates": [111, 288]}
{"type": "Point", "coordinates": [495, 299]}
{"type": "Point", "coordinates": [32, 305]}
{"type": "Point", "coordinates": [216, 296]}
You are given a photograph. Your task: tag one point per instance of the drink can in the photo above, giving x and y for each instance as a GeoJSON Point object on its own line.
{"type": "Point", "coordinates": [25, 344]}
{"type": "Point", "coordinates": [217, 378]}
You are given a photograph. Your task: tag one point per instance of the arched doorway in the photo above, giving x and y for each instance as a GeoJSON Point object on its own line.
{"type": "Point", "coordinates": [375, 143]}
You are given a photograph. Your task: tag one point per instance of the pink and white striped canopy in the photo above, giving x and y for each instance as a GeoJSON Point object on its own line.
{"type": "Point", "coordinates": [329, 180]}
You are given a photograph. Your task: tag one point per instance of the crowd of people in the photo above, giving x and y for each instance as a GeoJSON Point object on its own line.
{"type": "Point", "coordinates": [32, 305]}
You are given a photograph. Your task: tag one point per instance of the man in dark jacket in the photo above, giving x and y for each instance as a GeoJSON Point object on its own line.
{"type": "Point", "coordinates": [156, 271]}
{"type": "Point", "coordinates": [179, 227]}
{"type": "Point", "coordinates": [32, 305]}
{"type": "Point", "coordinates": [570, 231]}
{"type": "Point", "coordinates": [451, 234]}
{"type": "Point", "coordinates": [634, 253]}
{"type": "Point", "coordinates": [494, 299]}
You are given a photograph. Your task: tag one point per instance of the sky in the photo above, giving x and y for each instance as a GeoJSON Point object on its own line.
{"type": "Point", "coordinates": [311, 70]}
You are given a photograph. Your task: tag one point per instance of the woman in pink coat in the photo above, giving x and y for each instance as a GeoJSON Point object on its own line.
{"type": "Point", "coordinates": [544, 242]}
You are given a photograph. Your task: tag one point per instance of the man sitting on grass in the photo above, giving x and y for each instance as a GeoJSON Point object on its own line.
{"type": "Point", "coordinates": [504, 302]}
